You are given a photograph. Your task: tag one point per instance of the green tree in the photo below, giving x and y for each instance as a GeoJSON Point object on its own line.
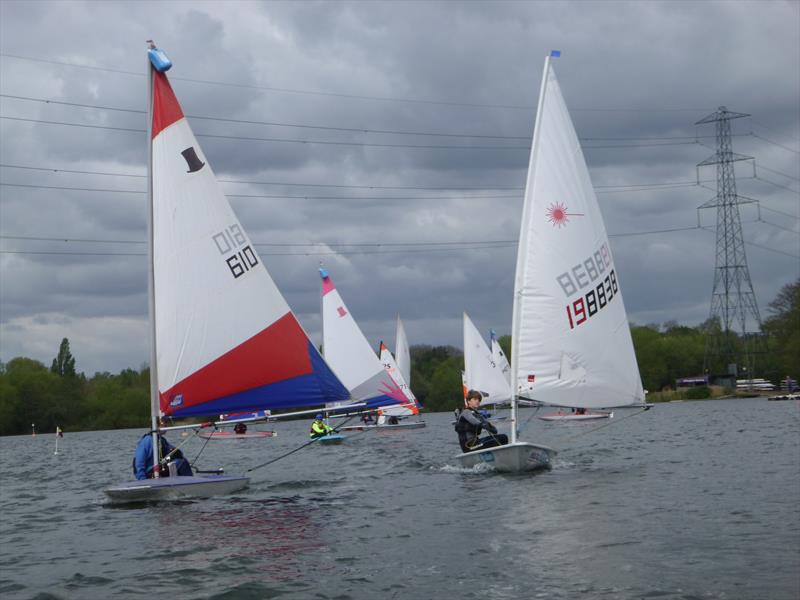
{"type": "Point", "coordinates": [64, 364]}
{"type": "Point", "coordinates": [783, 329]}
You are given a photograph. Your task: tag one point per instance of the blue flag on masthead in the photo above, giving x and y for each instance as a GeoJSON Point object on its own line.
{"type": "Point", "coordinates": [555, 53]}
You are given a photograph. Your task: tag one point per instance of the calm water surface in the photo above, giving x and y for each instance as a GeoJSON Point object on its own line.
{"type": "Point", "coordinates": [694, 500]}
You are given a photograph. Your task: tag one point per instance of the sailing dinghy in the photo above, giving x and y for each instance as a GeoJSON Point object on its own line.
{"type": "Point", "coordinates": [571, 343]}
{"type": "Point", "coordinates": [355, 363]}
{"type": "Point", "coordinates": [481, 369]}
{"type": "Point", "coordinates": [223, 339]}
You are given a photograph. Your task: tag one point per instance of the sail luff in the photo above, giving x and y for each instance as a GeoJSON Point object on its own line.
{"type": "Point", "coordinates": [522, 253]}
{"type": "Point", "coordinates": [151, 310]}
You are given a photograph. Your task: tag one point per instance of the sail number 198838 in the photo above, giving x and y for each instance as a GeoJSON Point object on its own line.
{"type": "Point", "coordinates": [595, 273]}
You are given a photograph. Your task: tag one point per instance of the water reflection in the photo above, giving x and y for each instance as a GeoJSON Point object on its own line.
{"type": "Point", "coordinates": [268, 536]}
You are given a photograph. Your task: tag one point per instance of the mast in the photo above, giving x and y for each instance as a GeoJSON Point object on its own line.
{"type": "Point", "coordinates": [522, 249]}
{"type": "Point", "coordinates": [151, 299]}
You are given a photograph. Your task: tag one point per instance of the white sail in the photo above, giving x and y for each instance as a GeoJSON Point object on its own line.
{"type": "Point", "coordinates": [390, 365]}
{"type": "Point", "coordinates": [500, 359]}
{"type": "Point", "coordinates": [402, 352]}
{"type": "Point", "coordinates": [571, 340]}
{"type": "Point", "coordinates": [482, 372]}
{"type": "Point", "coordinates": [349, 354]}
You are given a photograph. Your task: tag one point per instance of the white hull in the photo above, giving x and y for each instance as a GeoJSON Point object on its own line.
{"type": "Point", "coordinates": [176, 488]}
{"type": "Point", "coordinates": [574, 417]}
{"type": "Point", "coordinates": [511, 458]}
{"type": "Point", "coordinates": [785, 397]}
{"type": "Point", "coordinates": [412, 425]}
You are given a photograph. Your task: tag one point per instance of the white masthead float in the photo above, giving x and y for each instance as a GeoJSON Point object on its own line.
{"type": "Point", "coordinates": [223, 339]}
{"type": "Point", "coordinates": [571, 343]}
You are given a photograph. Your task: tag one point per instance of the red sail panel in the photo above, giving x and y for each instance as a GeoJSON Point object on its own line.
{"type": "Point", "coordinates": [166, 109]}
{"type": "Point", "coordinates": [277, 353]}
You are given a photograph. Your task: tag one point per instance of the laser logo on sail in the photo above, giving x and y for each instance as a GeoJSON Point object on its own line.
{"type": "Point", "coordinates": [557, 214]}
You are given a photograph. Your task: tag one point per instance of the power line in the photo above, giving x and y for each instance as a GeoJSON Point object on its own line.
{"type": "Point", "coordinates": [341, 95]}
{"type": "Point", "coordinates": [761, 137]}
{"type": "Point", "coordinates": [780, 212]}
{"type": "Point", "coordinates": [283, 140]}
{"type": "Point", "coordinates": [269, 196]}
{"type": "Point", "coordinates": [601, 188]}
{"type": "Point", "coordinates": [269, 244]}
{"type": "Point", "coordinates": [442, 246]}
{"type": "Point", "coordinates": [356, 144]}
{"type": "Point", "coordinates": [273, 123]}
{"type": "Point", "coordinates": [778, 185]}
{"type": "Point", "coordinates": [777, 172]}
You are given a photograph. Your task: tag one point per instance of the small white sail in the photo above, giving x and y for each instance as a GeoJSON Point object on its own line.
{"type": "Point", "coordinates": [402, 352]}
{"type": "Point", "coordinates": [349, 354]}
{"type": "Point", "coordinates": [571, 340]}
{"type": "Point", "coordinates": [500, 359]}
{"type": "Point", "coordinates": [390, 365]}
{"type": "Point", "coordinates": [482, 372]}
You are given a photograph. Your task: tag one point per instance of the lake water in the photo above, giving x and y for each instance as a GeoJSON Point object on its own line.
{"type": "Point", "coordinates": [693, 500]}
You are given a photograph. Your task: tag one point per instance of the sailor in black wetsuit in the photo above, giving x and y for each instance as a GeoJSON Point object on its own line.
{"type": "Point", "coordinates": [470, 423]}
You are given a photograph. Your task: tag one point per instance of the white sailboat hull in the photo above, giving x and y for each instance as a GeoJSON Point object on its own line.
{"type": "Point", "coordinates": [412, 425]}
{"type": "Point", "coordinates": [510, 458]}
{"type": "Point", "coordinates": [574, 417]}
{"type": "Point", "coordinates": [176, 488]}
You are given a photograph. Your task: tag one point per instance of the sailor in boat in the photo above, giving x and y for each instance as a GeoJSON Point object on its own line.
{"type": "Point", "coordinates": [471, 423]}
{"type": "Point", "coordinates": [143, 459]}
{"type": "Point", "coordinates": [240, 428]}
{"type": "Point", "coordinates": [366, 419]}
{"type": "Point", "coordinates": [320, 428]}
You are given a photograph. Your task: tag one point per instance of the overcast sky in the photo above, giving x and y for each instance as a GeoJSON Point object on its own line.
{"type": "Point", "coordinates": [376, 81]}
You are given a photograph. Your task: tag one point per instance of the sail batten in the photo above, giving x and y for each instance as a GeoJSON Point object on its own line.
{"type": "Point", "coordinates": [571, 340]}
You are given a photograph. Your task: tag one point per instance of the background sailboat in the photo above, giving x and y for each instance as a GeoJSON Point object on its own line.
{"type": "Point", "coordinates": [223, 338]}
{"type": "Point", "coordinates": [402, 352]}
{"type": "Point", "coordinates": [571, 343]}
{"type": "Point", "coordinates": [481, 371]}
{"type": "Point", "coordinates": [348, 352]}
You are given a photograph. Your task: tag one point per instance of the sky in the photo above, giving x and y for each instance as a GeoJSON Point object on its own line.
{"type": "Point", "coordinates": [389, 140]}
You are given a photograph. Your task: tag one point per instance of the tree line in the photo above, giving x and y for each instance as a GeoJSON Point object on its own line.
{"type": "Point", "coordinates": [33, 395]}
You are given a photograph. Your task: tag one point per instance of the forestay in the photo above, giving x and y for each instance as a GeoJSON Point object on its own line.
{"type": "Point", "coordinates": [226, 339]}
{"type": "Point", "coordinates": [349, 354]}
{"type": "Point", "coordinates": [481, 371]}
{"type": "Point", "coordinates": [571, 341]}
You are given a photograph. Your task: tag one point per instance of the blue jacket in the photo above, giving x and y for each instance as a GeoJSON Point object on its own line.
{"type": "Point", "coordinates": [143, 458]}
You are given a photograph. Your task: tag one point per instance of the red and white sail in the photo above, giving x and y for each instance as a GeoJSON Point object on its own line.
{"type": "Point", "coordinates": [348, 352]}
{"type": "Point", "coordinates": [226, 340]}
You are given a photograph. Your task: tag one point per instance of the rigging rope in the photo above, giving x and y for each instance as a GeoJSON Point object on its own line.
{"type": "Point", "coordinates": [610, 422]}
{"type": "Point", "coordinates": [308, 443]}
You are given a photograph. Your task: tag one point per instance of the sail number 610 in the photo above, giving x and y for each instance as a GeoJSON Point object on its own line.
{"type": "Point", "coordinates": [589, 304]}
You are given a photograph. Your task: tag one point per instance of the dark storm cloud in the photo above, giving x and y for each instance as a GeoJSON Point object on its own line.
{"type": "Point", "coordinates": [629, 70]}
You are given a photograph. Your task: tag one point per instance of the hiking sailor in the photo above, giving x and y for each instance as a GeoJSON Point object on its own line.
{"type": "Point", "coordinates": [320, 428]}
{"type": "Point", "coordinates": [470, 423]}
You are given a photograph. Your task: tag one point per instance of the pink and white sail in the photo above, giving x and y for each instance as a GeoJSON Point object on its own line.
{"type": "Point", "coordinates": [350, 355]}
